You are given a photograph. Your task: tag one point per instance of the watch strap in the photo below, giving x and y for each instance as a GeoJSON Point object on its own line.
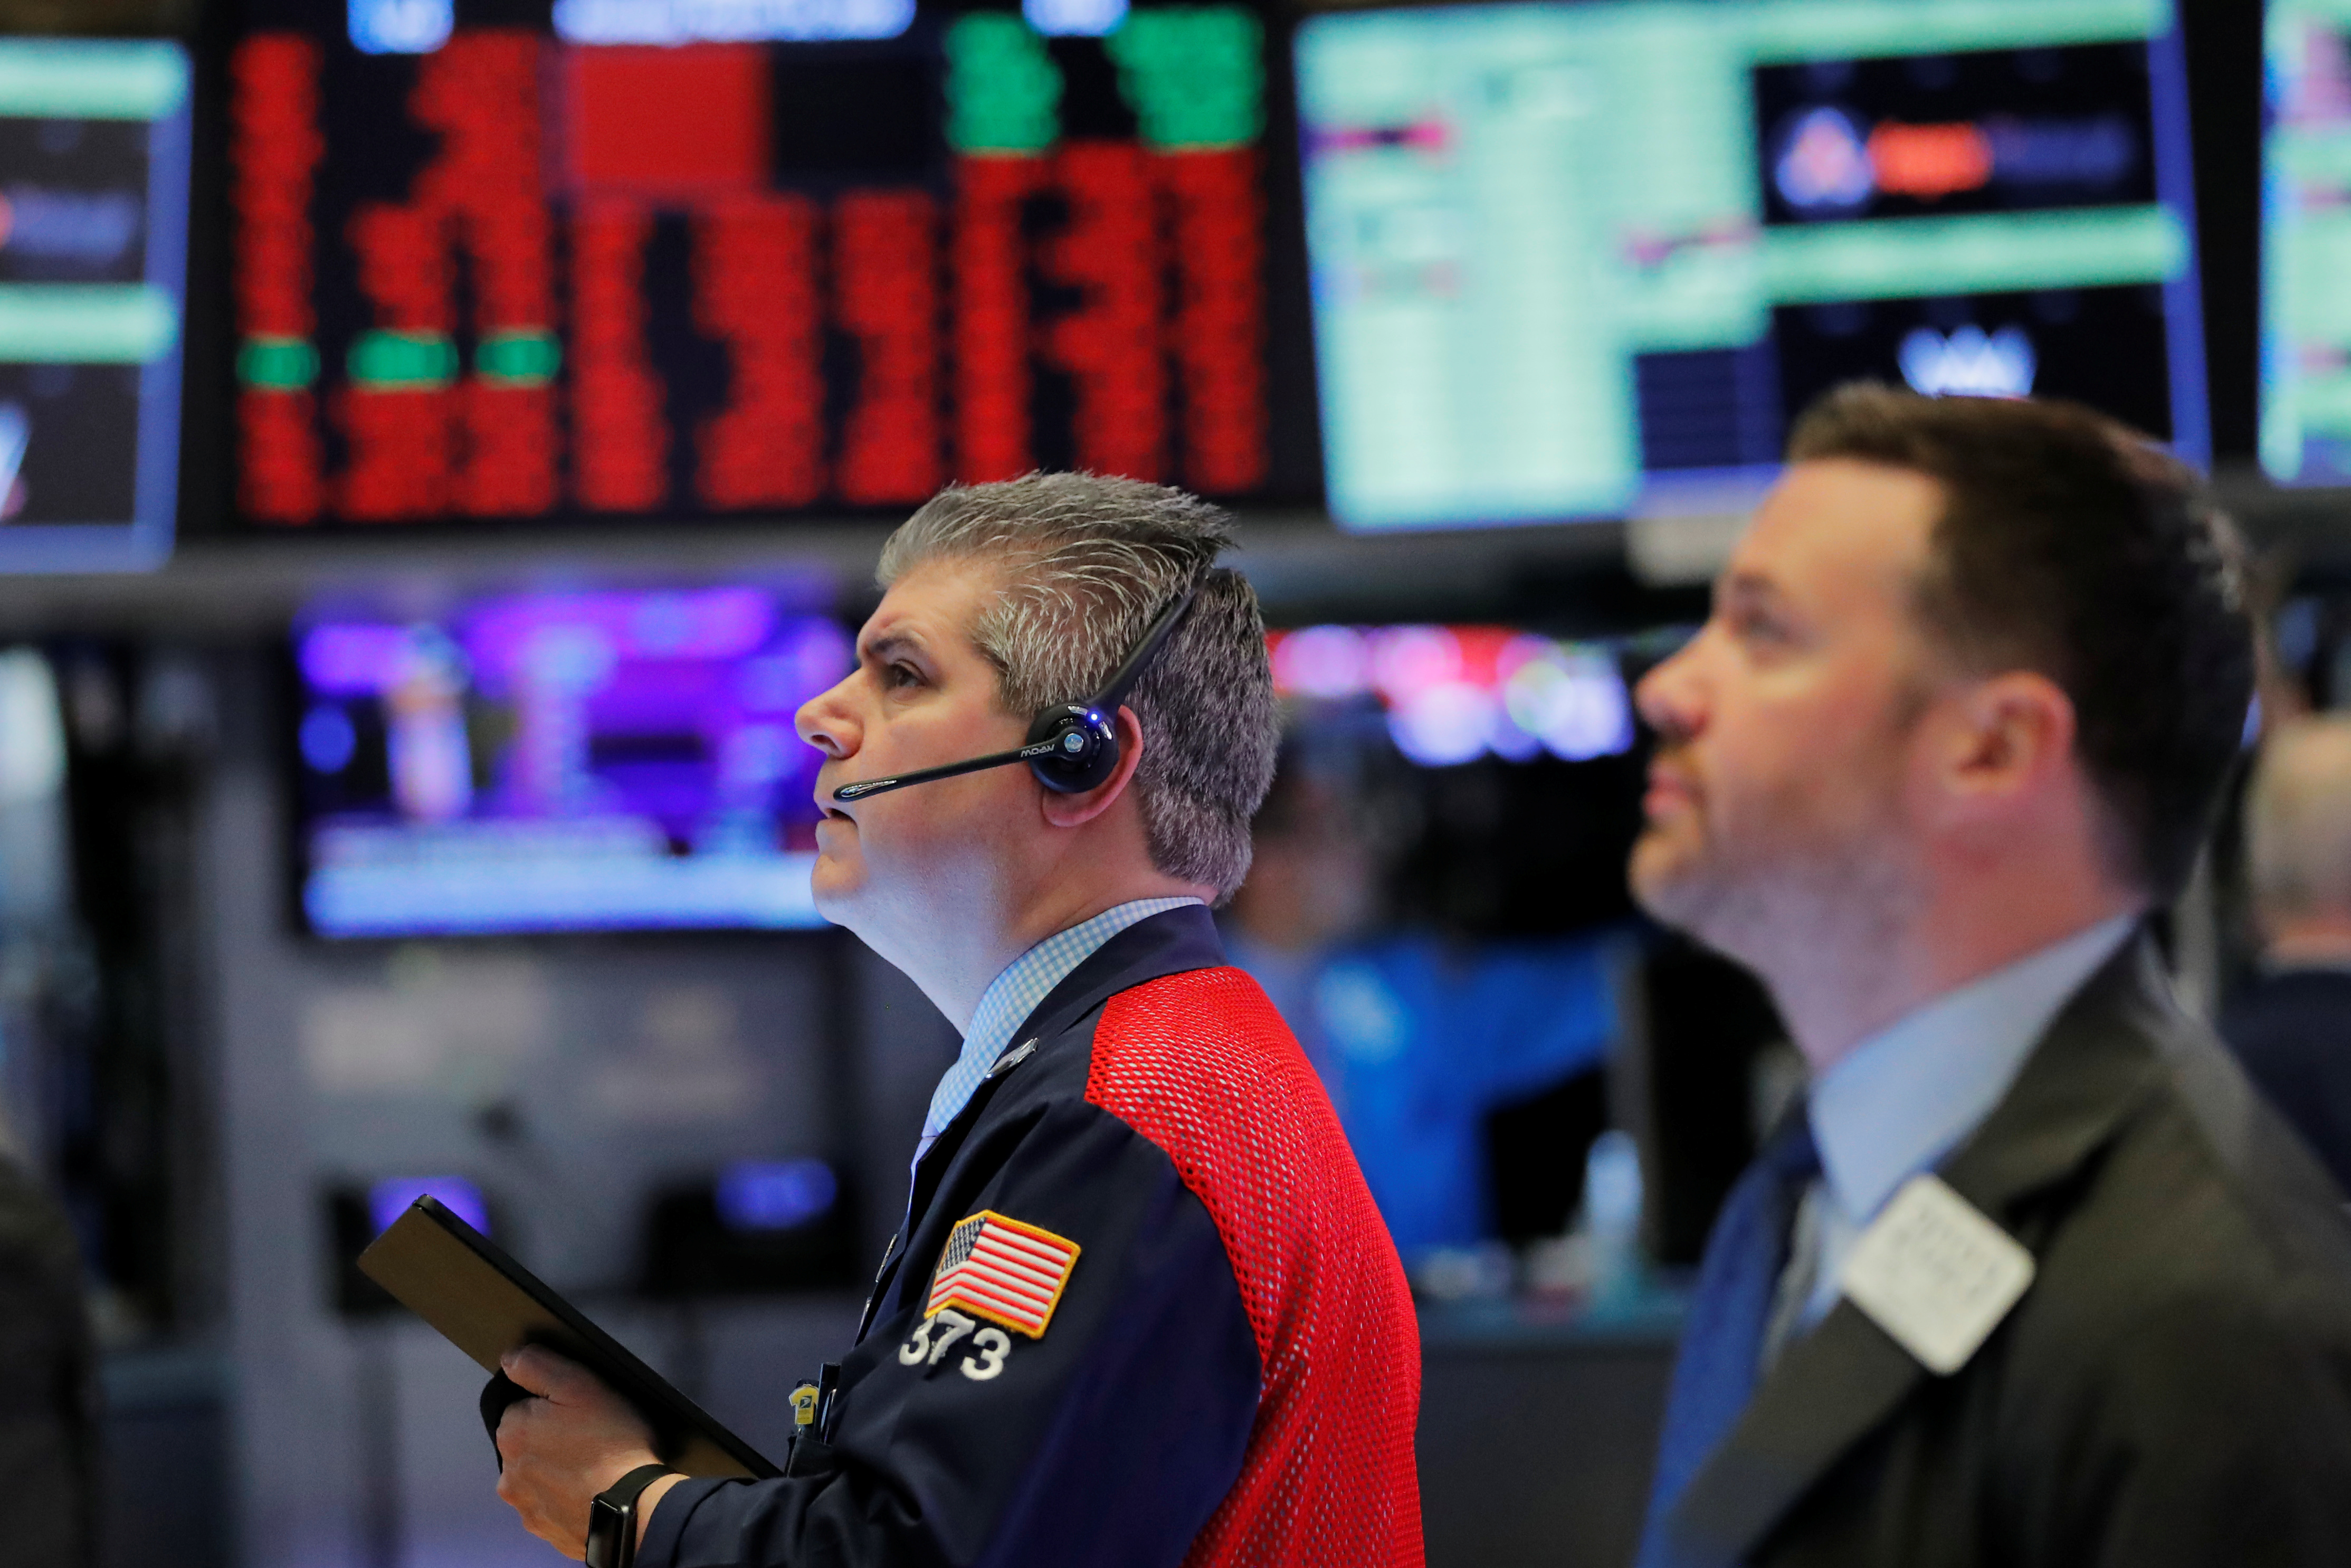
{"type": "Point", "coordinates": [623, 1493]}
{"type": "Point", "coordinates": [612, 1518]}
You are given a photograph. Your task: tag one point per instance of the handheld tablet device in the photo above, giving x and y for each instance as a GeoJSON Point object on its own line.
{"type": "Point", "coordinates": [486, 1304]}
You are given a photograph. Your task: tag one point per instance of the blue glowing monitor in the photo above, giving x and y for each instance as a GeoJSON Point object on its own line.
{"type": "Point", "coordinates": [93, 262]}
{"type": "Point", "coordinates": [1590, 260]}
{"type": "Point", "coordinates": [590, 760]}
{"type": "Point", "coordinates": [775, 1195]}
{"type": "Point", "coordinates": [2305, 416]}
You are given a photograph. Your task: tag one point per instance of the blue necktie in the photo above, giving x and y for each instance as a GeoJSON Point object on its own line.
{"type": "Point", "coordinates": [1722, 1339]}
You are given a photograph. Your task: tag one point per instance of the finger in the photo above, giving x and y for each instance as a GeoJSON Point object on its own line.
{"type": "Point", "coordinates": [513, 1429]}
{"type": "Point", "coordinates": [544, 1373]}
{"type": "Point", "coordinates": [513, 1412]}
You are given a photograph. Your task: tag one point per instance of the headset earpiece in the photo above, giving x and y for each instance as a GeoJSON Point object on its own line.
{"type": "Point", "coordinates": [1085, 749]}
{"type": "Point", "coordinates": [1086, 735]}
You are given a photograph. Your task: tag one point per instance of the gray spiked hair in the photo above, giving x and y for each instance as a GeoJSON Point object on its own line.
{"type": "Point", "coordinates": [1087, 564]}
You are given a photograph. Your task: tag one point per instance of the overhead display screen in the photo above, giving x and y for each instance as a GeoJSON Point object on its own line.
{"type": "Point", "coordinates": [1590, 260]}
{"type": "Point", "coordinates": [631, 258]}
{"type": "Point", "coordinates": [2306, 420]}
{"type": "Point", "coordinates": [93, 261]}
{"type": "Point", "coordinates": [591, 761]}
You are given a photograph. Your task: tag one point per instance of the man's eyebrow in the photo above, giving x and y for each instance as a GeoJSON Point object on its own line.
{"type": "Point", "coordinates": [888, 643]}
{"type": "Point", "coordinates": [1747, 585]}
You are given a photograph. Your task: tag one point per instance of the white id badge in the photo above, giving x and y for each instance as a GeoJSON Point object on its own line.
{"type": "Point", "coordinates": [1936, 1274]}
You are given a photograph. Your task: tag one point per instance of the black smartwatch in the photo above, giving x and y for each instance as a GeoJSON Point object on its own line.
{"type": "Point", "coordinates": [612, 1518]}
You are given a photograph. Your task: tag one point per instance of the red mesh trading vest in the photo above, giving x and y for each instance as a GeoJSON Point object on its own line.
{"type": "Point", "coordinates": [1202, 1065]}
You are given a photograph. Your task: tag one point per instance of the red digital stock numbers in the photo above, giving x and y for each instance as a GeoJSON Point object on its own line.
{"type": "Point", "coordinates": [504, 363]}
{"type": "Point", "coordinates": [1216, 335]}
{"type": "Point", "coordinates": [424, 437]}
{"type": "Point", "coordinates": [755, 289]}
{"type": "Point", "coordinates": [481, 93]}
{"type": "Point", "coordinates": [885, 284]}
{"type": "Point", "coordinates": [275, 148]}
{"type": "Point", "coordinates": [991, 315]}
{"type": "Point", "coordinates": [1110, 345]}
{"type": "Point", "coordinates": [396, 431]}
{"type": "Point", "coordinates": [619, 432]}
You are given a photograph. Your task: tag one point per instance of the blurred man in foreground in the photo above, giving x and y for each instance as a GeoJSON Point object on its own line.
{"type": "Point", "coordinates": [2030, 1277]}
{"type": "Point", "coordinates": [1143, 1311]}
{"type": "Point", "coordinates": [2292, 1028]}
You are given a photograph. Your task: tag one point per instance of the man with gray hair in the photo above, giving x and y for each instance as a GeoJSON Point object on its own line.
{"type": "Point", "coordinates": [2292, 1028]}
{"type": "Point", "coordinates": [1142, 1309]}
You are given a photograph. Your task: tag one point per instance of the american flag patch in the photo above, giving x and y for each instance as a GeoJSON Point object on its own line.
{"type": "Point", "coordinates": [1002, 1270]}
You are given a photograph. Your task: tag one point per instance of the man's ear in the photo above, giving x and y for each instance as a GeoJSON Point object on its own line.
{"type": "Point", "coordinates": [1076, 810]}
{"type": "Point", "coordinates": [2007, 736]}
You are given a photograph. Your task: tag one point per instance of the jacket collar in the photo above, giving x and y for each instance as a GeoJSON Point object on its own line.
{"type": "Point", "coordinates": [1171, 943]}
{"type": "Point", "coordinates": [1165, 943]}
{"type": "Point", "coordinates": [1168, 943]}
{"type": "Point", "coordinates": [2098, 1064]}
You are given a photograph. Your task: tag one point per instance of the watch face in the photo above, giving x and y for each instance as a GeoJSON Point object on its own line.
{"type": "Point", "coordinates": [608, 1535]}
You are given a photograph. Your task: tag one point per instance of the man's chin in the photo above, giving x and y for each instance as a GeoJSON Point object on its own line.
{"type": "Point", "coordinates": [1667, 882]}
{"type": "Point", "coordinates": [833, 886]}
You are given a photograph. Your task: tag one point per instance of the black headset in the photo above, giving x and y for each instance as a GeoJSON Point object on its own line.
{"type": "Point", "coordinates": [1071, 748]}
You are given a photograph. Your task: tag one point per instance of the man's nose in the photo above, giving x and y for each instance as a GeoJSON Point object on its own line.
{"type": "Point", "coordinates": [825, 721]}
{"type": "Point", "coordinates": [1669, 697]}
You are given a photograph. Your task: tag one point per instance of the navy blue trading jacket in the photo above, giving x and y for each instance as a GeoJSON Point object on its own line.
{"type": "Point", "coordinates": [1142, 1312]}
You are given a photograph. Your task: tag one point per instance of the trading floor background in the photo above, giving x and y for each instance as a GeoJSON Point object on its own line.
{"type": "Point", "coordinates": [443, 441]}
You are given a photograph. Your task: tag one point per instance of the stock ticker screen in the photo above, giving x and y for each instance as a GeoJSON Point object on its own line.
{"type": "Point", "coordinates": [2306, 417]}
{"type": "Point", "coordinates": [1590, 260]}
{"type": "Point", "coordinates": [94, 140]}
{"type": "Point", "coordinates": [632, 258]}
{"type": "Point", "coordinates": [599, 760]}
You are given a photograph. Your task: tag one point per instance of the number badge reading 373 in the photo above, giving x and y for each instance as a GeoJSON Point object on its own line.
{"type": "Point", "coordinates": [999, 1270]}
{"type": "Point", "coordinates": [936, 1335]}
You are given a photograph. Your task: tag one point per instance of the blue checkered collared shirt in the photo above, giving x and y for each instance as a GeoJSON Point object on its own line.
{"type": "Point", "coordinates": [1013, 995]}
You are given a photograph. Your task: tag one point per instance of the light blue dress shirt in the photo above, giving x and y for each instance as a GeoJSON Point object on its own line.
{"type": "Point", "coordinates": [1908, 1095]}
{"type": "Point", "coordinates": [1013, 995]}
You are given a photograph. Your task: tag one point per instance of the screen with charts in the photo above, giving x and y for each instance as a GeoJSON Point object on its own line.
{"type": "Point", "coordinates": [1590, 260]}
{"type": "Point", "coordinates": [93, 255]}
{"type": "Point", "coordinates": [560, 761]}
{"type": "Point", "coordinates": [620, 258]}
{"type": "Point", "coordinates": [2306, 420]}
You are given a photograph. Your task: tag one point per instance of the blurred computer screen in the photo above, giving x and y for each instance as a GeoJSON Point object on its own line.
{"type": "Point", "coordinates": [94, 171]}
{"type": "Point", "coordinates": [2306, 420]}
{"type": "Point", "coordinates": [1581, 260]}
{"type": "Point", "coordinates": [587, 760]}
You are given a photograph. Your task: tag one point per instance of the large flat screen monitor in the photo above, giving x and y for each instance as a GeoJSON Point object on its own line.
{"type": "Point", "coordinates": [2306, 418]}
{"type": "Point", "coordinates": [93, 264]}
{"type": "Point", "coordinates": [560, 761]}
{"type": "Point", "coordinates": [632, 258]}
{"type": "Point", "coordinates": [1590, 260]}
